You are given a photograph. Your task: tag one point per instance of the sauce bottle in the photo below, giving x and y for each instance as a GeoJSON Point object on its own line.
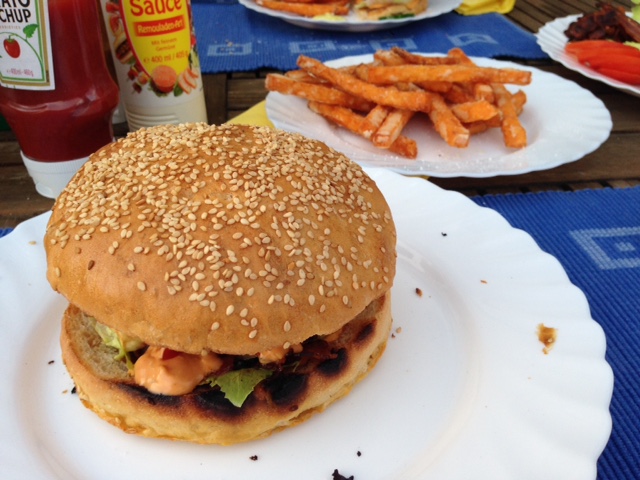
{"type": "Point", "coordinates": [153, 44]}
{"type": "Point", "coordinates": [55, 90]}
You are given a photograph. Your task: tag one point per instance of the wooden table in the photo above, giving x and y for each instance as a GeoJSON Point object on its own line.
{"type": "Point", "coordinates": [615, 164]}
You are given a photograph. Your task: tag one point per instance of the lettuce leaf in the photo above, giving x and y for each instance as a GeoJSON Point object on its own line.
{"type": "Point", "coordinates": [111, 338]}
{"type": "Point", "coordinates": [237, 385]}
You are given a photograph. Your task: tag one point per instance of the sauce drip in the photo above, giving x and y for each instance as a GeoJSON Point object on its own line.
{"type": "Point", "coordinates": [547, 336]}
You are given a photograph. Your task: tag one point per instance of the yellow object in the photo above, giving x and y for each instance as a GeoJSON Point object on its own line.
{"type": "Point", "coordinates": [256, 115]}
{"type": "Point", "coordinates": [478, 7]}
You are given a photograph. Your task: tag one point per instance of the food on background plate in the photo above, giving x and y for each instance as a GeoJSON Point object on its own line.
{"type": "Point", "coordinates": [364, 9]}
{"type": "Point", "coordinates": [609, 22]}
{"type": "Point", "coordinates": [307, 8]}
{"type": "Point", "coordinates": [386, 9]}
{"type": "Point", "coordinates": [224, 282]}
{"type": "Point", "coordinates": [377, 100]}
{"type": "Point", "coordinates": [615, 60]}
{"type": "Point", "coordinates": [607, 41]}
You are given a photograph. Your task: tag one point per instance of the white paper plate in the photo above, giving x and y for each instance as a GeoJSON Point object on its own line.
{"type": "Point", "coordinates": [552, 41]}
{"type": "Point", "coordinates": [564, 122]}
{"type": "Point", "coordinates": [352, 23]}
{"type": "Point", "coordinates": [463, 391]}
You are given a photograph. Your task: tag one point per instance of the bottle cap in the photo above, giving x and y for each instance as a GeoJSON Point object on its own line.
{"type": "Point", "coordinates": [51, 177]}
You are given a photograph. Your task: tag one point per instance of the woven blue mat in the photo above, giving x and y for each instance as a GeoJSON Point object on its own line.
{"type": "Point", "coordinates": [232, 38]}
{"type": "Point", "coordinates": [595, 235]}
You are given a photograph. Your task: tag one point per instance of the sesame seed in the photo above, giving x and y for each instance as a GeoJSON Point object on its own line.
{"type": "Point", "coordinates": [142, 286]}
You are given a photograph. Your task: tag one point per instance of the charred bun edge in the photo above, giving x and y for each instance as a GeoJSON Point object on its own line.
{"type": "Point", "coordinates": [205, 416]}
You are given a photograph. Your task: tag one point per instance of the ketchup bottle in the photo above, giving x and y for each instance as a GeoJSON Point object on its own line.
{"type": "Point", "coordinates": [56, 92]}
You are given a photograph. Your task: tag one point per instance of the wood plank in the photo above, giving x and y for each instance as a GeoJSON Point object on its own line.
{"type": "Point", "coordinates": [215, 94]}
{"type": "Point", "coordinates": [18, 197]}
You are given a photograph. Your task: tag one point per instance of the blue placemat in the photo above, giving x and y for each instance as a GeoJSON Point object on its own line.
{"type": "Point", "coordinates": [595, 234]}
{"type": "Point", "coordinates": [232, 38]}
{"type": "Point", "coordinates": [5, 231]}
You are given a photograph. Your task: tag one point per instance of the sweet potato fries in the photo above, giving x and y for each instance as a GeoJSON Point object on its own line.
{"type": "Point", "coordinates": [377, 100]}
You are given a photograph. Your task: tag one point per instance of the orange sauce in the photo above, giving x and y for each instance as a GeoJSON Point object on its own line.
{"type": "Point", "coordinates": [167, 372]}
{"type": "Point", "coordinates": [547, 336]}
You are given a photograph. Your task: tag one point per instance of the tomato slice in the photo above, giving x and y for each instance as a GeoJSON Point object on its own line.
{"type": "Point", "coordinates": [614, 62]}
{"type": "Point", "coordinates": [623, 76]}
{"type": "Point", "coordinates": [591, 47]}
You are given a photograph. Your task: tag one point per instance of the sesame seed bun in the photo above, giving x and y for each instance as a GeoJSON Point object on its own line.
{"type": "Point", "coordinates": [232, 241]}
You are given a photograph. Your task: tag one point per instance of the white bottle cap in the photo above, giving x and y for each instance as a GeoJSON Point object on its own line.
{"type": "Point", "coordinates": [51, 177]}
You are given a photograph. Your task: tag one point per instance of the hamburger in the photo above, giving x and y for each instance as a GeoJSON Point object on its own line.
{"type": "Point", "coordinates": [122, 48]}
{"type": "Point", "coordinates": [224, 282]}
{"type": "Point", "coordinates": [388, 9]}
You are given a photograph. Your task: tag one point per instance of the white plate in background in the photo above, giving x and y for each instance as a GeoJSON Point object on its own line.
{"type": "Point", "coordinates": [564, 122]}
{"type": "Point", "coordinates": [552, 41]}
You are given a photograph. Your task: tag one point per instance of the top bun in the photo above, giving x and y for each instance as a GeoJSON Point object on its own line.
{"type": "Point", "coordinates": [232, 239]}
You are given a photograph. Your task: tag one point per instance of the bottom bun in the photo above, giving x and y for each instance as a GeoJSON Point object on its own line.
{"type": "Point", "coordinates": [204, 415]}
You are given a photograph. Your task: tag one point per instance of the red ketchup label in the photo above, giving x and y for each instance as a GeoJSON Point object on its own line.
{"type": "Point", "coordinates": [25, 51]}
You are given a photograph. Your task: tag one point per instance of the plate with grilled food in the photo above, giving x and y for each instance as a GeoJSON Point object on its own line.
{"type": "Point", "coordinates": [357, 16]}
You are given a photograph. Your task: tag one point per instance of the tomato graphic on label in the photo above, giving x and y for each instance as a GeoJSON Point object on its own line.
{"type": "Point", "coordinates": [12, 47]}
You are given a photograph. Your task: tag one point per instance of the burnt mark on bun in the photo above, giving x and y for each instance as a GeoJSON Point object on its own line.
{"type": "Point", "coordinates": [365, 333]}
{"type": "Point", "coordinates": [336, 365]}
{"type": "Point", "coordinates": [286, 389]}
{"type": "Point", "coordinates": [213, 403]}
{"type": "Point", "coordinates": [151, 398]}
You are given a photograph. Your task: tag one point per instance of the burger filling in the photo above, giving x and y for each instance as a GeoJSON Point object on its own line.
{"type": "Point", "coordinates": [167, 372]}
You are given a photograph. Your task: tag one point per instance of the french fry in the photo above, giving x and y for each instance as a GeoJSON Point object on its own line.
{"type": "Point", "coordinates": [409, 57]}
{"type": "Point", "coordinates": [388, 57]}
{"type": "Point", "coordinates": [447, 125]}
{"type": "Point", "coordinates": [514, 134]}
{"type": "Point", "coordinates": [458, 93]}
{"type": "Point", "coordinates": [377, 115]}
{"type": "Point", "coordinates": [377, 100]}
{"type": "Point", "coordinates": [361, 126]}
{"type": "Point", "coordinates": [518, 99]}
{"type": "Point", "coordinates": [302, 76]}
{"type": "Point", "coordinates": [391, 127]}
{"type": "Point", "coordinates": [389, 96]}
{"type": "Point", "coordinates": [475, 111]}
{"type": "Point", "coordinates": [316, 92]}
{"type": "Point", "coordinates": [388, 75]}
{"type": "Point", "coordinates": [483, 91]}
{"type": "Point", "coordinates": [306, 9]}
{"type": "Point", "coordinates": [459, 56]}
